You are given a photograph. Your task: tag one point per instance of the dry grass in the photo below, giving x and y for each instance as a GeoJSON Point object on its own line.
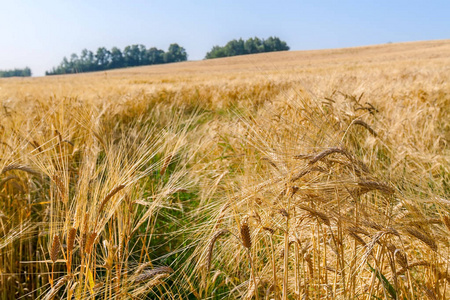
{"type": "Point", "coordinates": [296, 175]}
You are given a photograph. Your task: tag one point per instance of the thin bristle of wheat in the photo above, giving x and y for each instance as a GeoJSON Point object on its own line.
{"type": "Point", "coordinates": [423, 237]}
{"type": "Point", "coordinates": [365, 125]}
{"type": "Point", "coordinates": [150, 274]}
{"type": "Point", "coordinates": [245, 235]}
{"type": "Point", "coordinates": [110, 195]}
{"type": "Point", "coordinates": [71, 239]}
{"type": "Point", "coordinates": [55, 248]}
{"type": "Point", "coordinates": [20, 168]}
{"type": "Point", "coordinates": [211, 243]}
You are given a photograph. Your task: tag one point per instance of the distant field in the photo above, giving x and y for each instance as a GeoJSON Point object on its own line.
{"type": "Point", "coordinates": [288, 175]}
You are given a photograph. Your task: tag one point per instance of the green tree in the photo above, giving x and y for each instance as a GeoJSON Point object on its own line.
{"type": "Point", "coordinates": [216, 52]}
{"type": "Point", "coordinates": [131, 55]}
{"type": "Point", "coordinates": [102, 58]}
{"type": "Point", "coordinates": [155, 56]}
{"type": "Point", "coordinates": [117, 60]}
{"type": "Point", "coordinates": [253, 45]}
{"type": "Point", "coordinates": [274, 44]}
{"type": "Point", "coordinates": [26, 72]}
{"type": "Point", "coordinates": [250, 46]}
{"type": "Point", "coordinates": [87, 61]}
{"type": "Point", "coordinates": [176, 53]}
{"type": "Point", "coordinates": [142, 59]}
{"type": "Point", "coordinates": [235, 47]}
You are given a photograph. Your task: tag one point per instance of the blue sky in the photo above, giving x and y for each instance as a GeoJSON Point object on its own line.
{"type": "Point", "coordinates": [39, 33]}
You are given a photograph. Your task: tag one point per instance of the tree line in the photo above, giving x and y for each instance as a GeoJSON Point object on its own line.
{"type": "Point", "coordinates": [139, 55]}
{"type": "Point", "coordinates": [26, 72]}
{"type": "Point", "coordinates": [131, 56]}
{"type": "Point", "coordinates": [250, 46]}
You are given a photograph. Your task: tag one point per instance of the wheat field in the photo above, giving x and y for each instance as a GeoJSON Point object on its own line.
{"type": "Point", "coordinates": [292, 175]}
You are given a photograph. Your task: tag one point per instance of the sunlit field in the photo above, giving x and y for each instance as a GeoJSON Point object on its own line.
{"type": "Point", "coordinates": [289, 175]}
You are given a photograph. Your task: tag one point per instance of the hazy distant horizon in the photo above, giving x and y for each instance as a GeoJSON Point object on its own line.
{"type": "Point", "coordinates": [40, 34]}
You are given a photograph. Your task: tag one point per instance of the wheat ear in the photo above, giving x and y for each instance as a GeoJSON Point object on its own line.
{"type": "Point", "coordinates": [90, 242]}
{"type": "Point", "coordinates": [20, 168]}
{"type": "Point", "coordinates": [323, 217]}
{"type": "Point", "coordinates": [213, 240]}
{"type": "Point", "coordinates": [70, 244]}
{"type": "Point", "coordinates": [54, 251]}
{"type": "Point", "coordinates": [150, 274]}
{"type": "Point", "coordinates": [446, 221]}
{"type": "Point", "coordinates": [327, 152]}
{"type": "Point", "coordinates": [365, 125]}
{"type": "Point", "coordinates": [423, 237]}
{"type": "Point", "coordinates": [110, 195]}
{"type": "Point", "coordinates": [56, 288]}
{"type": "Point", "coordinates": [166, 164]}
{"type": "Point", "coordinates": [245, 235]}
{"type": "Point", "coordinates": [247, 243]}
{"type": "Point", "coordinates": [55, 248]}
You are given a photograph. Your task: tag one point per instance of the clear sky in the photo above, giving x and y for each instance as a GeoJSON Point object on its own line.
{"type": "Point", "coordinates": [39, 33]}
